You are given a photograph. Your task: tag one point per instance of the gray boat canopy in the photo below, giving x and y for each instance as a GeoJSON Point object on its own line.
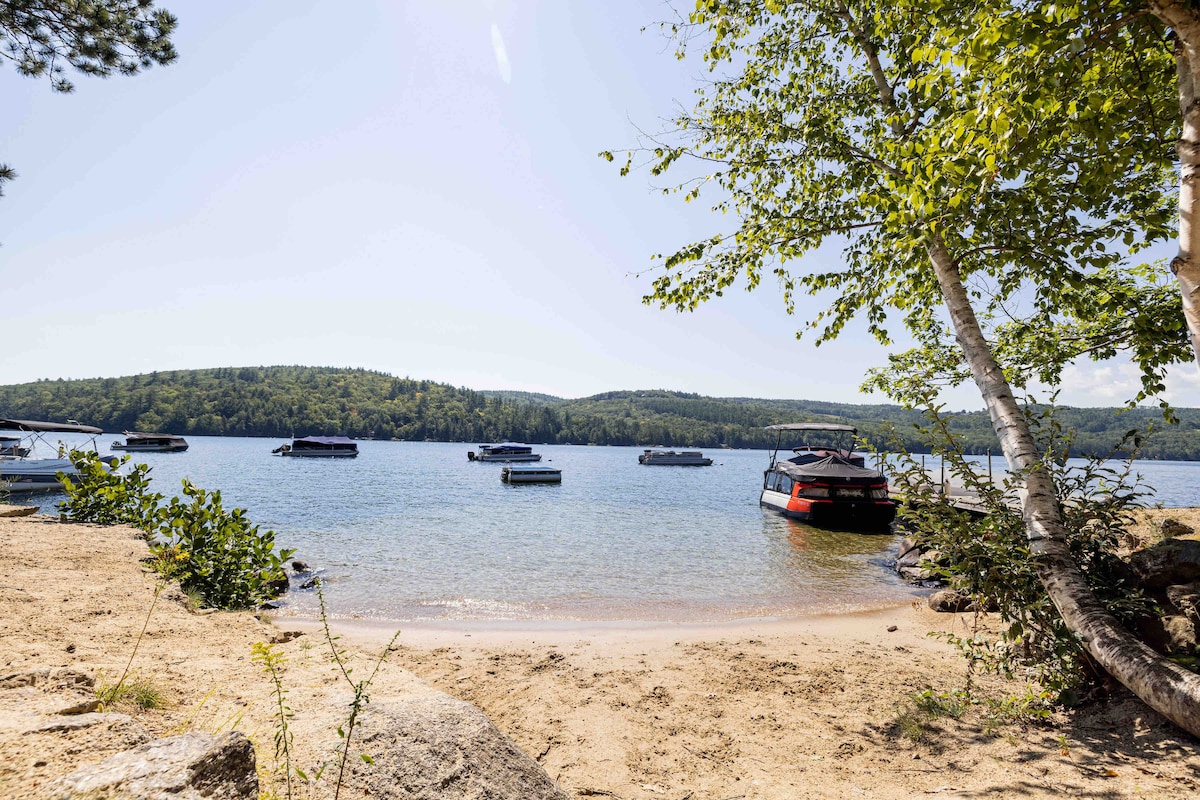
{"type": "Point", "coordinates": [329, 440]}
{"type": "Point", "coordinates": [813, 426]}
{"type": "Point", "coordinates": [33, 426]}
{"type": "Point", "coordinates": [831, 468]}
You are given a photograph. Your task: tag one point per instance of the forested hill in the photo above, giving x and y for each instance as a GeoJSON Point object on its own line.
{"type": "Point", "coordinates": [280, 401]}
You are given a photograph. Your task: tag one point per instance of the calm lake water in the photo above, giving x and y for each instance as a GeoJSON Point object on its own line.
{"type": "Point", "coordinates": [412, 532]}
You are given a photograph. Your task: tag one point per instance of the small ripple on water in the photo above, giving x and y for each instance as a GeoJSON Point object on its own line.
{"type": "Point", "coordinates": [411, 531]}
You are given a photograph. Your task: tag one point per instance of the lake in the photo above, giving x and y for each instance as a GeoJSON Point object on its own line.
{"type": "Point", "coordinates": [413, 532]}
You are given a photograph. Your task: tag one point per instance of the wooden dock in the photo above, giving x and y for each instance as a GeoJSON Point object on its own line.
{"type": "Point", "coordinates": [952, 490]}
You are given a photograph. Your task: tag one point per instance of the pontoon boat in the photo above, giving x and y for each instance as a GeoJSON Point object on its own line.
{"type": "Point", "coordinates": [825, 485]}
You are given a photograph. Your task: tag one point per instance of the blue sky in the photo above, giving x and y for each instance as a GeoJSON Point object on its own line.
{"type": "Point", "coordinates": [409, 187]}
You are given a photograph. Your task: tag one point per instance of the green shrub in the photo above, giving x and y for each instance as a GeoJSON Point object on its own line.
{"type": "Point", "coordinates": [989, 557]}
{"type": "Point", "coordinates": [101, 494]}
{"type": "Point", "coordinates": [217, 556]}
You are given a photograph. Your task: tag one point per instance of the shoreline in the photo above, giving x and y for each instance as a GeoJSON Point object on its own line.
{"type": "Point", "coordinates": [563, 632]}
{"type": "Point", "coordinates": [814, 707]}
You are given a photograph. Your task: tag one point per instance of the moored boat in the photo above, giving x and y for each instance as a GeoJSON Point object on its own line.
{"type": "Point", "coordinates": [22, 473]}
{"type": "Point", "coordinates": [319, 447]}
{"type": "Point", "coordinates": [509, 451]}
{"type": "Point", "coordinates": [528, 474]}
{"type": "Point", "coordinates": [826, 485]}
{"type": "Point", "coordinates": [670, 458]}
{"type": "Point", "coordinates": [151, 443]}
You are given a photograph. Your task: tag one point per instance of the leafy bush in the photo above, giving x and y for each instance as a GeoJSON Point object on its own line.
{"type": "Point", "coordinates": [216, 555]}
{"type": "Point", "coordinates": [101, 494]}
{"type": "Point", "coordinates": [989, 558]}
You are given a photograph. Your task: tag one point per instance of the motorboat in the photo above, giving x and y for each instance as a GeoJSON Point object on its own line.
{"type": "Point", "coordinates": [826, 485]}
{"type": "Point", "coordinates": [509, 451]}
{"type": "Point", "coordinates": [151, 443]}
{"type": "Point", "coordinates": [521, 473]}
{"type": "Point", "coordinates": [319, 447]}
{"type": "Point", "coordinates": [21, 473]}
{"type": "Point", "coordinates": [670, 458]}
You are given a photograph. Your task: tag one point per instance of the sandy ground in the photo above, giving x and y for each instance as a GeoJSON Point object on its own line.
{"type": "Point", "coordinates": [810, 708]}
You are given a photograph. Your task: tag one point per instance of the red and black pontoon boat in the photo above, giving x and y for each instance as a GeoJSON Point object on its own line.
{"type": "Point", "coordinates": [827, 485]}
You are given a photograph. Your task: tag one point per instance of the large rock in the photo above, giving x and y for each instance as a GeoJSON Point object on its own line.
{"type": "Point", "coordinates": [437, 748]}
{"type": "Point", "coordinates": [914, 562]}
{"type": "Point", "coordinates": [194, 766]}
{"type": "Point", "coordinates": [1186, 599]}
{"type": "Point", "coordinates": [1171, 527]}
{"type": "Point", "coordinates": [1181, 634]}
{"type": "Point", "coordinates": [950, 601]}
{"type": "Point", "coordinates": [1173, 561]}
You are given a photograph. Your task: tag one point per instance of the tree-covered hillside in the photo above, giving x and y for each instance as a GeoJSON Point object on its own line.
{"type": "Point", "coordinates": [281, 401]}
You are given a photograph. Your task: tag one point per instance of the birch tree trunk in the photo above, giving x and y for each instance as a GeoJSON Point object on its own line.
{"type": "Point", "coordinates": [1163, 685]}
{"type": "Point", "coordinates": [1184, 19]}
{"type": "Point", "coordinates": [1166, 687]}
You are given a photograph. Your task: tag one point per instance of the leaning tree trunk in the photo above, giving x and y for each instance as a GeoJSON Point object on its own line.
{"type": "Point", "coordinates": [1184, 19]}
{"type": "Point", "coordinates": [1166, 687]}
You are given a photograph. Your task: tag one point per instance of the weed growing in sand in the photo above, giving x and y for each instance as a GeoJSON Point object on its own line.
{"type": "Point", "coordinates": [1032, 707]}
{"type": "Point", "coordinates": [138, 690]}
{"type": "Point", "coordinates": [274, 665]}
{"type": "Point", "coordinates": [915, 716]}
{"type": "Point", "coordinates": [273, 662]}
{"type": "Point", "coordinates": [131, 689]}
{"type": "Point", "coordinates": [361, 699]}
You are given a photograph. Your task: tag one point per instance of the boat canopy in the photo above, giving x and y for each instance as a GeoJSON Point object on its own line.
{"type": "Point", "coordinates": [813, 426]}
{"type": "Point", "coordinates": [342, 440]}
{"type": "Point", "coordinates": [33, 426]}
{"type": "Point", "coordinates": [829, 468]}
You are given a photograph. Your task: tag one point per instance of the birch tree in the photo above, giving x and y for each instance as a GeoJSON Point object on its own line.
{"type": "Point", "coordinates": [1183, 17]}
{"type": "Point", "coordinates": [955, 196]}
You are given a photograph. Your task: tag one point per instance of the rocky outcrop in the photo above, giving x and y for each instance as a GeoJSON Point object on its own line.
{"type": "Point", "coordinates": [1166, 563]}
{"type": "Point", "coordinates": [914, 562]}
{"type": "Point", "coordinates": [437, 748]}
{"type": "Point", "coordinates": [193, 766]}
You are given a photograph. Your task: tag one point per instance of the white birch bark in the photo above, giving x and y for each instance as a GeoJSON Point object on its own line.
{"type": "Point", "coordinates": [1184, 20]}
{"type": "Point", "coordinates": [1163, 685]}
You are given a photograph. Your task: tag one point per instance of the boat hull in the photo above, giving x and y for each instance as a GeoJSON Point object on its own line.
{"type": "Point", "coordinates": [864, 515]}
{"type": "Point", "coordinates": [320, 453]}
{"type": "Point", "coordinates": [502, 457]}
{"type": "Point", "coordinates": [673, 459]}
{"type": "Point", "coordinates": [530, 475]}
{"type": "Point", "coordinates": [149, 448]}
{"type": "Point", "coordinates": [38, 475]}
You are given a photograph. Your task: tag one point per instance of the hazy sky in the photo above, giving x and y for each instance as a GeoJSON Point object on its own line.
{"type": "Point", "coordinates": [411, 187]}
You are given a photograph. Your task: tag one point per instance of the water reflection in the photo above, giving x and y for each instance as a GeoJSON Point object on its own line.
{"type": "Point", "coordinates": [836, 569]}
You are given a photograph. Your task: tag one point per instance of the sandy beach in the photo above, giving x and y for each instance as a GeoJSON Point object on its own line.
{"type": "Point", "coordinates": [807, 708]}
